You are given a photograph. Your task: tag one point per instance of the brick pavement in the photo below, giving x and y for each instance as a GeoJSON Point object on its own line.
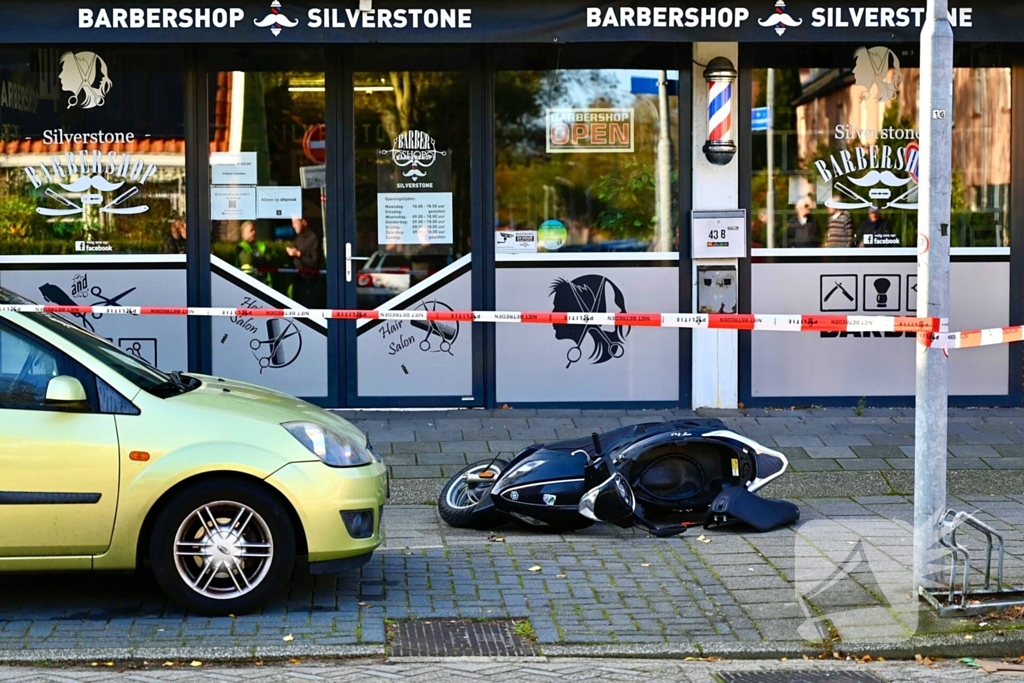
{"type": "Point", "coordinates": [601, 591]}
{"type": "Point", "coordinates": [495, 671]}
{"type": "Point", "coordinates": [434, 444]}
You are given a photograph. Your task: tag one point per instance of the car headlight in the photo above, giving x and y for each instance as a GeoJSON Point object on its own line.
{"type": "Point", "coordinates": [333, 448]}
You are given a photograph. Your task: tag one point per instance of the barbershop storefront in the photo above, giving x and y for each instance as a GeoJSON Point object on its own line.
{"type": "Point", "coordinates": [531, 156]}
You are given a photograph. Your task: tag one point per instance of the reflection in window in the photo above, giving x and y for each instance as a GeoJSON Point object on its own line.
{"type": "Point", "coordinates": [583, 157]}
{"type": "Point", "coordinates": [267, 215]}
{"type": "Point", "coordinates": [845, 155]}
{"type": "Point", "coordinates": [92, 151]}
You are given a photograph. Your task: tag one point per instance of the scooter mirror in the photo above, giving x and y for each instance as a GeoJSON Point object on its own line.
{"type": "Point", "coordinates": [611, 501]}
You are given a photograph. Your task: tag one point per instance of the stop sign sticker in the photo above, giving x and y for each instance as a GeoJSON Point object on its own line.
{"type": "Point", "coordinates": [314, 143]}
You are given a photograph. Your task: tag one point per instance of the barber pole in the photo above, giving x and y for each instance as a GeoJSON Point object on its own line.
{"type": "Point", "coordinates": [720, 75]}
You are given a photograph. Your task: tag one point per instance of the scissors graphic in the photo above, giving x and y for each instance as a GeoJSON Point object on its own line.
{"type": "Point", "coordinates": [104, 301]}
{"type": "Point", "coordinates": [447, 333]}
{"type": "Point", "coordinates": [276, 336]}
{"type": "Point", "coordinates": [615, 348]}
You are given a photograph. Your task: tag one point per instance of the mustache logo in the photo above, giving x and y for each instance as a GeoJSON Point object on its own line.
{"type": "Point", "coordinates": [279, 19]}
{"type": "Point", "coordinates": [95, 182]}
{"type": "Point", "coordinates": [780, 20]}
{"type": "Point", "coordinates": [414, 173]}
{"type": "Point", "coordinates": [874, 177]}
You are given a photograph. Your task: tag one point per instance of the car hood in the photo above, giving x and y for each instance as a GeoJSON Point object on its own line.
{"type": "Point", "coordinates": [259, 403]}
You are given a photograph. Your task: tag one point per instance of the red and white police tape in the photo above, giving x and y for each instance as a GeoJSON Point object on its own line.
{"type": "Point", "coordinates": [939, 337]}
{"type": "Point", "coordinates": [721, 321]}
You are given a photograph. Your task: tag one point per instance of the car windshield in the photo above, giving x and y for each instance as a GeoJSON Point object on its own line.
{"type": "Point", "coordinates": [136, 371]}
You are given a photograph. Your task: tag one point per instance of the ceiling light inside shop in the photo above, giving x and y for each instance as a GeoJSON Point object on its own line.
{"type": "Point", "coordinates": [358, 88]}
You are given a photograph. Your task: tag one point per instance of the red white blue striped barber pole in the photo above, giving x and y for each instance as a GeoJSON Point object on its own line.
{"type": "Point", "coordinates": [913, 158]}
{"type": "Point", "coordinates": [719, 111]}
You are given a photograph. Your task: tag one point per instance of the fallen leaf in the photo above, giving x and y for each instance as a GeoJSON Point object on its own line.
{"type": "Point", "coordinates": [783, 659]}
{"type": "Point", "coordinates": [496, 539]}
{"type": "Point", "coordinates": [289, 638]}
{"type": "Point", "coordinates": [984, 623]}
{"type": "Point", "coordinates": [196, 662]}
{"type": "Point", "coordinates": [865, 659]}
{"type": "Point", "coordinates": [560, 576]}
{"type": "Point", "coordinates": [294, 661]}
{"type": "Point", "coordinates": [259, 662]}
{"type": "Point", "coordinates": [836, 655]}
{"type": "Point", "coordinates": [880, 659]}
{"type": "Point", "coordinates": [703, 539]}
{"type": "Point", "coordinates": [108, 664]}
{"type": "Point", "coordinates": [807, 658]}
{"type": "Point", "coordinates": [534, 568]}
{"type": "Point", "coordinates": [168, 663]}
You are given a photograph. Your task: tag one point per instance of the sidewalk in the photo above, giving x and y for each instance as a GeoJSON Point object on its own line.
{"type": "Point", "coordinates": [838, 581]}
{"type": "Point", "coordinates": [602, 592]}
{"type": "Point", "coordinates": [831, 451]}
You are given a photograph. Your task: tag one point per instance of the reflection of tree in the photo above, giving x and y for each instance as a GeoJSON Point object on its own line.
{"type": "Point", "coordinates": [606, 195]}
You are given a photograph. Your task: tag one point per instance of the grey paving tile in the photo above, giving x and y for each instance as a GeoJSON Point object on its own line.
{"type": "Point", "coordinates": [1005, 463]}
{"type": "Point", "coordinates": [864, 464]}
{"type": "Point", "coordinates": [816, 452]}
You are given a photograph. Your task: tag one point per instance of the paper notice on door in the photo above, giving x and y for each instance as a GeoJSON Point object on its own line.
{"type": "Point", "coordinates": [279, 202]}
{"type": "Point", "coordinates": [233, 168]}
{"type": "Point", "coordinates": [515, 242]}
{"type": "Point", "coordinates": [414, 218]}
{"type": "Point", "coordinates": [232, 203]}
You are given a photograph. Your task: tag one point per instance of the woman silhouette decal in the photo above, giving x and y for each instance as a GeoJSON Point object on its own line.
{"type": "Point", "coordinates": [589, 294]}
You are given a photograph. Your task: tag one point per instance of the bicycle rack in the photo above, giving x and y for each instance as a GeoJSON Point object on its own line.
{"type": "Point", "coordinates": [966, 602]}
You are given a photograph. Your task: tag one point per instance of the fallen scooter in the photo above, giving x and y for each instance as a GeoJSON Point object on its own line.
{"type": "Point", "coordinates": [663, 477]}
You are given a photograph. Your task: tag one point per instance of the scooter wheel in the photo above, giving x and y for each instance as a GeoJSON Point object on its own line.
{"type": "Point", "coordinates": [459, 497]}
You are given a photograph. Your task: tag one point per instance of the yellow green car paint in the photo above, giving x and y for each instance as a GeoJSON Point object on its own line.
{"type": "Point", "coordinates": [219, 430]}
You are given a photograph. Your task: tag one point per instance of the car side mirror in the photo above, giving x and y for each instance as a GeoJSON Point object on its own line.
{"type": "Point", "coordinates": [64, 390]}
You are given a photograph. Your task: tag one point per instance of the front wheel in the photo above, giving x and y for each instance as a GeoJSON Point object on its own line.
{"type": "Point", "coordinates": [464, 490]}
{"type": "Point", "coordinates": [222, 547]}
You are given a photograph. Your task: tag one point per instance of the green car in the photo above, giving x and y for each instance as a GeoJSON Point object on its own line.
{"type": "Point", "coordinates": [220, 487]}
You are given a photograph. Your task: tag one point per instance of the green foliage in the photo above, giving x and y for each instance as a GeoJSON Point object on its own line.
{"type": "Point", "coordinates": [629, 197]}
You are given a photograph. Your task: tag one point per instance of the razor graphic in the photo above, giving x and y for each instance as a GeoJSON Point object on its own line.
{"type": "Point", "coordinates": [839, 287]}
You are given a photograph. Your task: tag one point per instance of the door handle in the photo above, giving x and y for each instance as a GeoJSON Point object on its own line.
{"type": "Point", "coordinates": [348, 262]}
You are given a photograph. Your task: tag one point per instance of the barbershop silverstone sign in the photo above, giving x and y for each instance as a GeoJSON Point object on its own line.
{"type": "Point", "coordinates": [497, 21]}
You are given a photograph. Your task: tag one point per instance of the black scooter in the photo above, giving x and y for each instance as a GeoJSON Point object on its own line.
{"type": "Point", "coordinates": [664, 477]}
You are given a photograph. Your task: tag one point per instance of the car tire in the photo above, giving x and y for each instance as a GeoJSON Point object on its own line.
{"type": "Point", "coordinates": [460, 516]}
{"type": "Point", "coordinates": [222, 572]}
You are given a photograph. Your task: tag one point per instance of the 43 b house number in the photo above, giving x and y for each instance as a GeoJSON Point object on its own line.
{"type": "Point", "coordinates": [717, 234]}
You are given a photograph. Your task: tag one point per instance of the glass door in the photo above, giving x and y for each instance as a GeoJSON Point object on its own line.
{"type": "Point", "coordinates": [410, 235]}
{"type": "Point", "coordinates": [268, 246]}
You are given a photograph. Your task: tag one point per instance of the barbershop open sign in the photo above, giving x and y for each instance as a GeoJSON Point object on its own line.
{"type": "Point", "coordinates": [589, 130]}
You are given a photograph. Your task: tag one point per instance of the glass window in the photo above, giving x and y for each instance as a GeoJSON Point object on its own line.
{"type": "Point", "coordinates": [92, 151]}
{"type": "Point", "coordinates": [842, 167]}
{"type": "Point", "coordinates": [26, 367]}
{"type": "Point", "coordinates": [585, 159]}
